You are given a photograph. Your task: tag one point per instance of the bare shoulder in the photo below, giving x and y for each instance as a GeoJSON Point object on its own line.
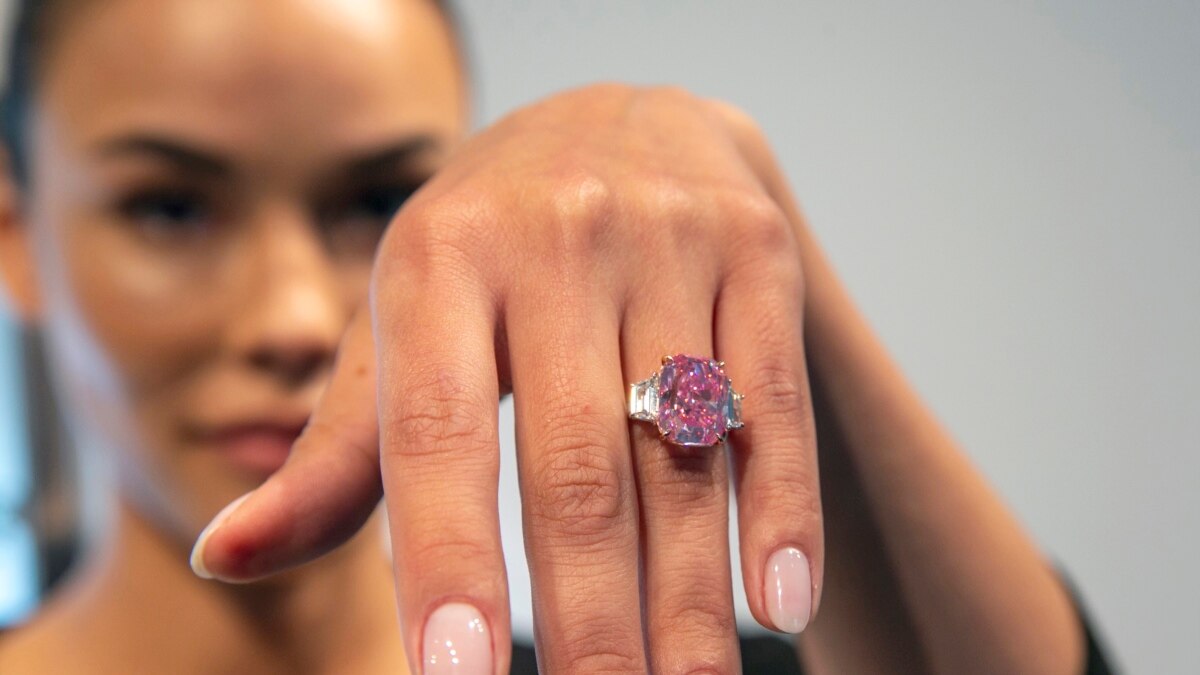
{"type": "Point", "coordinates": [25, 649]}
{"type": "Point", "coordinates": [46, 643]}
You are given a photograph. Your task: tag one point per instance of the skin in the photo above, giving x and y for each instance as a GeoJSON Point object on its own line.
{"type": "Point", "coordinates": [573, 275]}
{"type": "Point", "coordinates": [526, 249]}
{"type": "Point", "coordinates": [928, 571]}
{"type": "Point", "coordinates": [188, 290]}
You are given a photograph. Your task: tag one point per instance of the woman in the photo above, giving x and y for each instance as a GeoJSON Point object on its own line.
{"type": "Point", "coordinates": [196, 197]}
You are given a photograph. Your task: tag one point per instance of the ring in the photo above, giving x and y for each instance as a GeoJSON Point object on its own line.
{"type": "Point", "coordinates": [690, 399]}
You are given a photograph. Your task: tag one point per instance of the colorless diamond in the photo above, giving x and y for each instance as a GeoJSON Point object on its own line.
{"type": "Point", "coordinates": [643, 399]}
{"type": "Point", "coordinates": [733, 411]}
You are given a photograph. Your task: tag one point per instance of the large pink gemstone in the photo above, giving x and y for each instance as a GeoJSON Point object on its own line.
{"type": "Point", "coordinates": [693, 395]}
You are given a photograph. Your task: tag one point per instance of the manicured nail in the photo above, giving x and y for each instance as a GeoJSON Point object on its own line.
{"type": "Point", "coordinates": [789, 590]}
{"type": "Point", "coordinates": [457, 641]}
{"type": "Point", "coordinates": [197, 559]}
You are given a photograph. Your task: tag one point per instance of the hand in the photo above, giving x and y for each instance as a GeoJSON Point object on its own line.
{"type": "Point", "coordinates": [561, 253]}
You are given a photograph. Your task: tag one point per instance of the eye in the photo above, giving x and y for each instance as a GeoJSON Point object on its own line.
{"type": "Point", "coordinates": [167, 212]}
{"type": "Point", "coordinates": [355, 224]}
{"type": "Point", "coordinates": [379, 203]}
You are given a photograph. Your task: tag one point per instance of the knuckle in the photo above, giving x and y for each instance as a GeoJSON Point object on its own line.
{"type": "Point", "coordinates": [570, 209]}
{"type": "Point", "coordinates": [596, 634]}
{"type": "Point", "coordinates": [696, 621]}
{"type": "Point", "coordinates": [777, 388]}
{"type": "Point", "coordinates": [580, 486]}
{"type": "Point", "coordinates": [758, 225]}
{"type": "Point", "coordinates": [682, 215]}
{"type": "Point", "coordinates": [587, 659]}
{"type": "Point", "coordinates": [581, 206]}
{"type": "Point", "coordinates": [697, 483]}
{"type": "Point", "coordinates": [439, 415]}
{"type": "Point", "coordinates": [776, 291]}
{"type": "Point", "coordinates": [666, 198]}
{"type": "Point", "coordinates": [702, 496]}
{"type": "Point", "coordinates": [694, 663]}
{"type": "Point", "coordinates": [428, 234]}
{"type": "Point", "coordinates": [597, 644]}
{"type": "Point", "coordinates": [739, 122]}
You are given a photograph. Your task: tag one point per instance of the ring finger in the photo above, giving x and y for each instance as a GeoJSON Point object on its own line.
{"type": "Point", "coordinates": [683, 492]}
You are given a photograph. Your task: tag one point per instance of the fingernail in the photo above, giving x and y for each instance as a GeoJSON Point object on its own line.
{"type": "Point", "coordinates": [197, 559]}
{"type": "Point", "coordinates": [789, 590]}
{"type": "Point", "coordinates": [457, 641]}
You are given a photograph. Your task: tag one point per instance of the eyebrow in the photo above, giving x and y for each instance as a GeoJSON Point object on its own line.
{"type": "Point", "coordinates": [185, 155]}
{"type": "Point", "coordinates": [205, 161]}
{"type": "Point", "coordinates": [398, 152]}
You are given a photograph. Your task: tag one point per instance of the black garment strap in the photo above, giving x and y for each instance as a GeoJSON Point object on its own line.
{"type": "Point", "coordinates": [765, 654]}
{"type": "Point", "coordinates": [1097, 662]}
{"type": "Point", "coordinates": [774, 655]}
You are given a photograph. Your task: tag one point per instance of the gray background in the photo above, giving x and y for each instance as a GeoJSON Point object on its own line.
{"type": "Point", "coordinates": [1013, 195]}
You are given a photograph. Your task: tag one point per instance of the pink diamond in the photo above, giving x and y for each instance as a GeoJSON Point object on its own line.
{"type": "Point", "coordinates": [693, 395]}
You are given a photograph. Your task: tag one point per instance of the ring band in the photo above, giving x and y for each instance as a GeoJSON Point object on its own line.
{"type": "Point", "coordinates": [690, 399]}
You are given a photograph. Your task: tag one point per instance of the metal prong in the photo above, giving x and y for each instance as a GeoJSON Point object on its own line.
{"type": "Point", "coordinates": [666, 359]}
{"type": "Point", "coordinates": [721, 364]}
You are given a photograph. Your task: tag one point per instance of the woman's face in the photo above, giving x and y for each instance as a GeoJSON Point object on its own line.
{"type": "Point", "coordinates": [209, 179]}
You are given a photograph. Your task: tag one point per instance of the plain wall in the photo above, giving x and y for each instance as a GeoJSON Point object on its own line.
{"type": "Point", "coordinates": [1012, 193]}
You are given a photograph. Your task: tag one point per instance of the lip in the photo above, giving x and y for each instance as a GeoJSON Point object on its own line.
{"type": "Point", "coordinates": [256, 447]}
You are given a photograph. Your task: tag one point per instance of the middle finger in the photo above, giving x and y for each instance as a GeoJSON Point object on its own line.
{"type": "Point", "coordinates": [578, 496]}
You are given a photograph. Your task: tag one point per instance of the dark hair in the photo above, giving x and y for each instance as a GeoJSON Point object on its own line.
{"type": "Point", "coordinates": [26, 43]}
{"type": "Point", "coordinates": [33, 30]}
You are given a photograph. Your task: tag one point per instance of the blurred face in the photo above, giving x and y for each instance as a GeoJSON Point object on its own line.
{"type": "Point", "coordinates": [209, 179]}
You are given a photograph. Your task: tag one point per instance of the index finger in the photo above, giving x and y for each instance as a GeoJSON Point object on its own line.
{"type": "Point", "coordinates": [325, 492]}
{"type": "Point", "coordinates": [440, 460]}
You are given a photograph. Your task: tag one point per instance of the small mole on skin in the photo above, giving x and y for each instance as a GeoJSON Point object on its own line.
{"type": "Point", "coordinates": [361, 370]}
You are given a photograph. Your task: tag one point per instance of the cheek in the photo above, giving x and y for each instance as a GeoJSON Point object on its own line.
{"type": "Point", "coordinates": [354, 277]}
{"type": "Point", "coordinates": [132, 334]}
{"type": "Point", "coordinates": [156, 315]}
{"type": "Point", "coordinates": [127, 328]}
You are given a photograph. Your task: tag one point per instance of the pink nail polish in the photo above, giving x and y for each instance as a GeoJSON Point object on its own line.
{"type": "Point", "coordinates": [457, 641]}
{"type": "Point", "coordinates": [789, 590]}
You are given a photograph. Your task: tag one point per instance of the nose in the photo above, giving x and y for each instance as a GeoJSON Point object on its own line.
{"type": "Point", "coordinates": [294, 308]}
